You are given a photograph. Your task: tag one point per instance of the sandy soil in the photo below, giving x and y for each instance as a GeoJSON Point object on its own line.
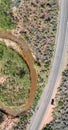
{"type": "Point", "coordinates": [2, 79]}
{"type": "Point", "coordinates": [49, 117]}
{"type": "Point", "coordinates": [8, 123]}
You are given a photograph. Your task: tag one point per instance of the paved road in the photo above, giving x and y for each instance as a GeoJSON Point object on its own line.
{"type": "Point", "coordinates": [55, 71]}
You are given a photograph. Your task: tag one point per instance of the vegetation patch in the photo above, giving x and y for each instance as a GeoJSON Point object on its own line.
{"type": "Point", "coordinates": [1, 117]}
{"type": "Point", "coordinates": [40, 23]}
{"type": "Point", "coordinates": [39, 20]}
{"type": "Point", "coordinates": [6, 19]}
{"type": "Point", "coordinates": [47, 127]}
{"type": "Point", "coordinates": [14, 77]}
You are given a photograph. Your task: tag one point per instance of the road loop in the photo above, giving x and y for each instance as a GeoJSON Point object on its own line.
{"type": "Point", "coordinates": [27, 56]}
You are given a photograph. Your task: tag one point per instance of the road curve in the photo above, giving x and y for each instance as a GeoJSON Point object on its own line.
{"type": "Point", "coordinates": [46, 97]}
{"type": "Point", "coordinates": [27, 55]}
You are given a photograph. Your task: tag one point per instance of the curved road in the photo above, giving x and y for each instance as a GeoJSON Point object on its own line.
{"type": "Point", "coordinates": [27, 55]}
{"type": "Point", "coordinates": [46, 97]}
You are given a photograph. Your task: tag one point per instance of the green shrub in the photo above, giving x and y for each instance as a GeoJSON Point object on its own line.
{"type": "Point", "coordinates": [6, 19]}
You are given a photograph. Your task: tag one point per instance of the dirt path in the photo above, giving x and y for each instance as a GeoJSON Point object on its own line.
{"type": "Point", "coordinates": [27, 55]}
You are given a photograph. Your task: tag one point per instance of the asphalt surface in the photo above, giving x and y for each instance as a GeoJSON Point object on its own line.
{"type": "Point", "coordinates": [47, 95]}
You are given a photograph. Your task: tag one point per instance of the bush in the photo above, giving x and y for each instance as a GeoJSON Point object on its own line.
{"type": "Point", "coordinates": [6, 20]}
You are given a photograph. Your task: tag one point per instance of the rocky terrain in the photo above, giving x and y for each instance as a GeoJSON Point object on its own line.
{"type": "Point", "coordinates": [36, 22]}
{"type": "Point", "coordinates": [60, 114]}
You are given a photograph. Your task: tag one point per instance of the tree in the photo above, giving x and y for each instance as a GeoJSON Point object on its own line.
{"type": "Point", "coordinates": [48, 127]}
